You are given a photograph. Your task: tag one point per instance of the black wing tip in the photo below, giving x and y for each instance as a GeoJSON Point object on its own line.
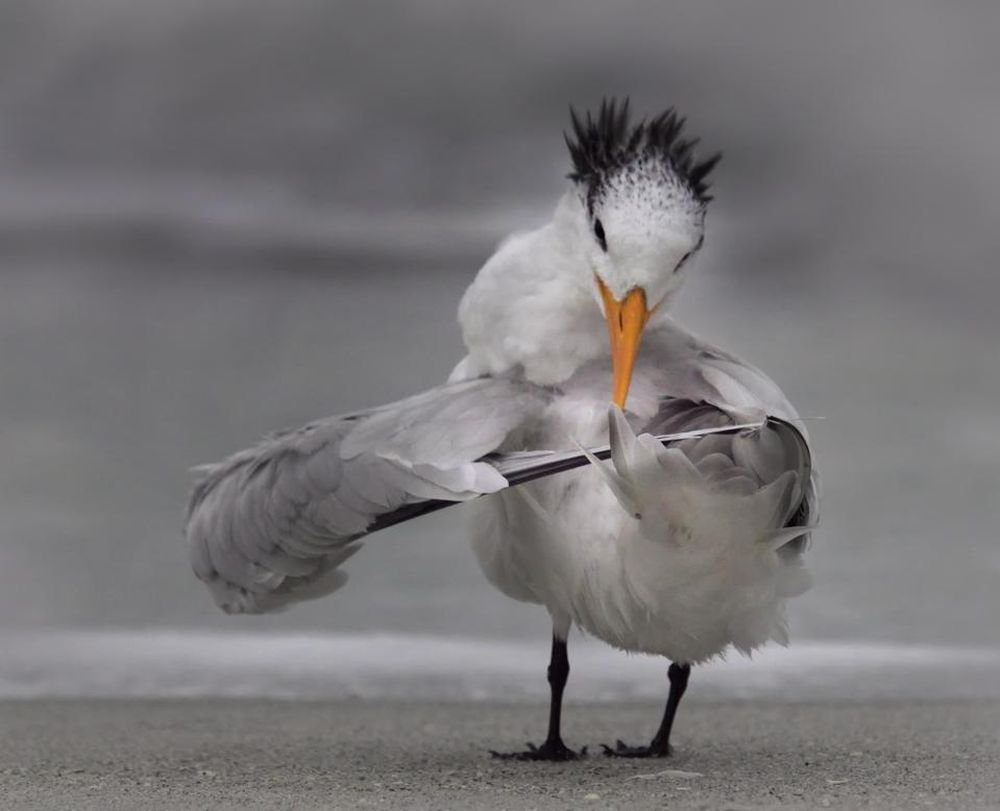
{"type": "Point", "coordinates": [600, 144]}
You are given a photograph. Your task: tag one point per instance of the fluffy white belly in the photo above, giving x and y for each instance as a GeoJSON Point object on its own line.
{"type": "Point", "coordinates": [604, 578]}
{"type": "Point", "coordinates": [686, 590]}
{"type": "Point", "coordinates": [588, 563]}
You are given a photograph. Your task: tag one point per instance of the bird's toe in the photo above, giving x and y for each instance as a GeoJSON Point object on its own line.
{"type": "Point", "coordinates": [621, 749]}
{"type": "Point", "coordinates": [550, 750]}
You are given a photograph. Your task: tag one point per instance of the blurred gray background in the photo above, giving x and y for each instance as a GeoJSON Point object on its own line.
{"type": "Point", "coordinates": [222, 217]}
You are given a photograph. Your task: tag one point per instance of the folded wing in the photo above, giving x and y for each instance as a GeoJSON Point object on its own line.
{"type": "Point", "coordinates": [773, 462]}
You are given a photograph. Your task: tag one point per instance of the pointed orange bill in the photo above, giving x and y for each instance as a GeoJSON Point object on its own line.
{"type": "Point", "coordinates": [626, 319]}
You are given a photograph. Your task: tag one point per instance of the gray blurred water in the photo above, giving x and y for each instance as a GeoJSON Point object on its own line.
{"type": "Point", "coordinates": [221, 218]}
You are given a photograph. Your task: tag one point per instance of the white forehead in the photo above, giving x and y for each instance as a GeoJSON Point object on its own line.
{"type": "Point", "coordinates": [645, 201]}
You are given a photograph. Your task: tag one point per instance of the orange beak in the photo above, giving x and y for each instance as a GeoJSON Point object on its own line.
{"type": "Point", "coordinates": [626, 318]}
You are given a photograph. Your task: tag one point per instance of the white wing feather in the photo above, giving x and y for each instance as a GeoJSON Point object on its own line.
{"type": "Point", "coordinates": [272, 524]}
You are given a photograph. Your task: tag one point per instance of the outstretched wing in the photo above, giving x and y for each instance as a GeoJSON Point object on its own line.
{"type": "Point", "coordinates": [272, 524]}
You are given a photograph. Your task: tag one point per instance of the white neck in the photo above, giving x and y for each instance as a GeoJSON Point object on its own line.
{"type": "Point", "coordinates": [534, 304]}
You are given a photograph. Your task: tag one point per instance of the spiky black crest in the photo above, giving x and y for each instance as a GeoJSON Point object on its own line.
{"type": "Point", "coordinates": [602, 145]}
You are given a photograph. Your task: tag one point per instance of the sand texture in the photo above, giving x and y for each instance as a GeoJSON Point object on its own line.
{"type": "Point", "coordinates": [260, 754]}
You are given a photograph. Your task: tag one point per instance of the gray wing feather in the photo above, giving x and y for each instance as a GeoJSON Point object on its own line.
{"type": "Point", "coordinates": [706, 387]}
{"type": "Point", "coordinates": [750, 458]}
{"type": "Point", "coordinates": [272, 524]}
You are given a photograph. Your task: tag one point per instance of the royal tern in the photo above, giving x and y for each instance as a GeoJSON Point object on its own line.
{"type": "Point", "coordinates": [682, 549]}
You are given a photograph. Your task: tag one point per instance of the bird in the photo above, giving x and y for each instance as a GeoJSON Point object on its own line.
{"type": "Point", "coordinates": [639, 483]}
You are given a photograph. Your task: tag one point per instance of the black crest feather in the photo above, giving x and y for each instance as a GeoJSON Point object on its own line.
{"type": "Point", "coordinates": [600, 145]}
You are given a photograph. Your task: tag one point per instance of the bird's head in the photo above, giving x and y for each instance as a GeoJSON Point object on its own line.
{"type": "Point", "coordinates": [643, 198]}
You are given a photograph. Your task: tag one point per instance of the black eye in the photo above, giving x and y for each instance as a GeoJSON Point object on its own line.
{"type": "Point", "coordinates": [691, 253]}
{"type": "Point", "coordinates": [599, 233]}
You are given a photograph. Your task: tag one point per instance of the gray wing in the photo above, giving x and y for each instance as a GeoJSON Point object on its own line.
{"type": "Point", "coordinates": [750, 459]}
{"type": "Point", "coordinates": [272, 524]}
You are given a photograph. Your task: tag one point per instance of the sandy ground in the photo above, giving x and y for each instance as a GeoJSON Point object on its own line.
{"type": "Point", "coordinates": [258, 754]}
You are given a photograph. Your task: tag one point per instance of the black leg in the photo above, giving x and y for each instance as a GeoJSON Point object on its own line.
{"type": "Point", "coordinates": [553, 748]}
{"type": "Point", "coordinates": [660, 745]}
